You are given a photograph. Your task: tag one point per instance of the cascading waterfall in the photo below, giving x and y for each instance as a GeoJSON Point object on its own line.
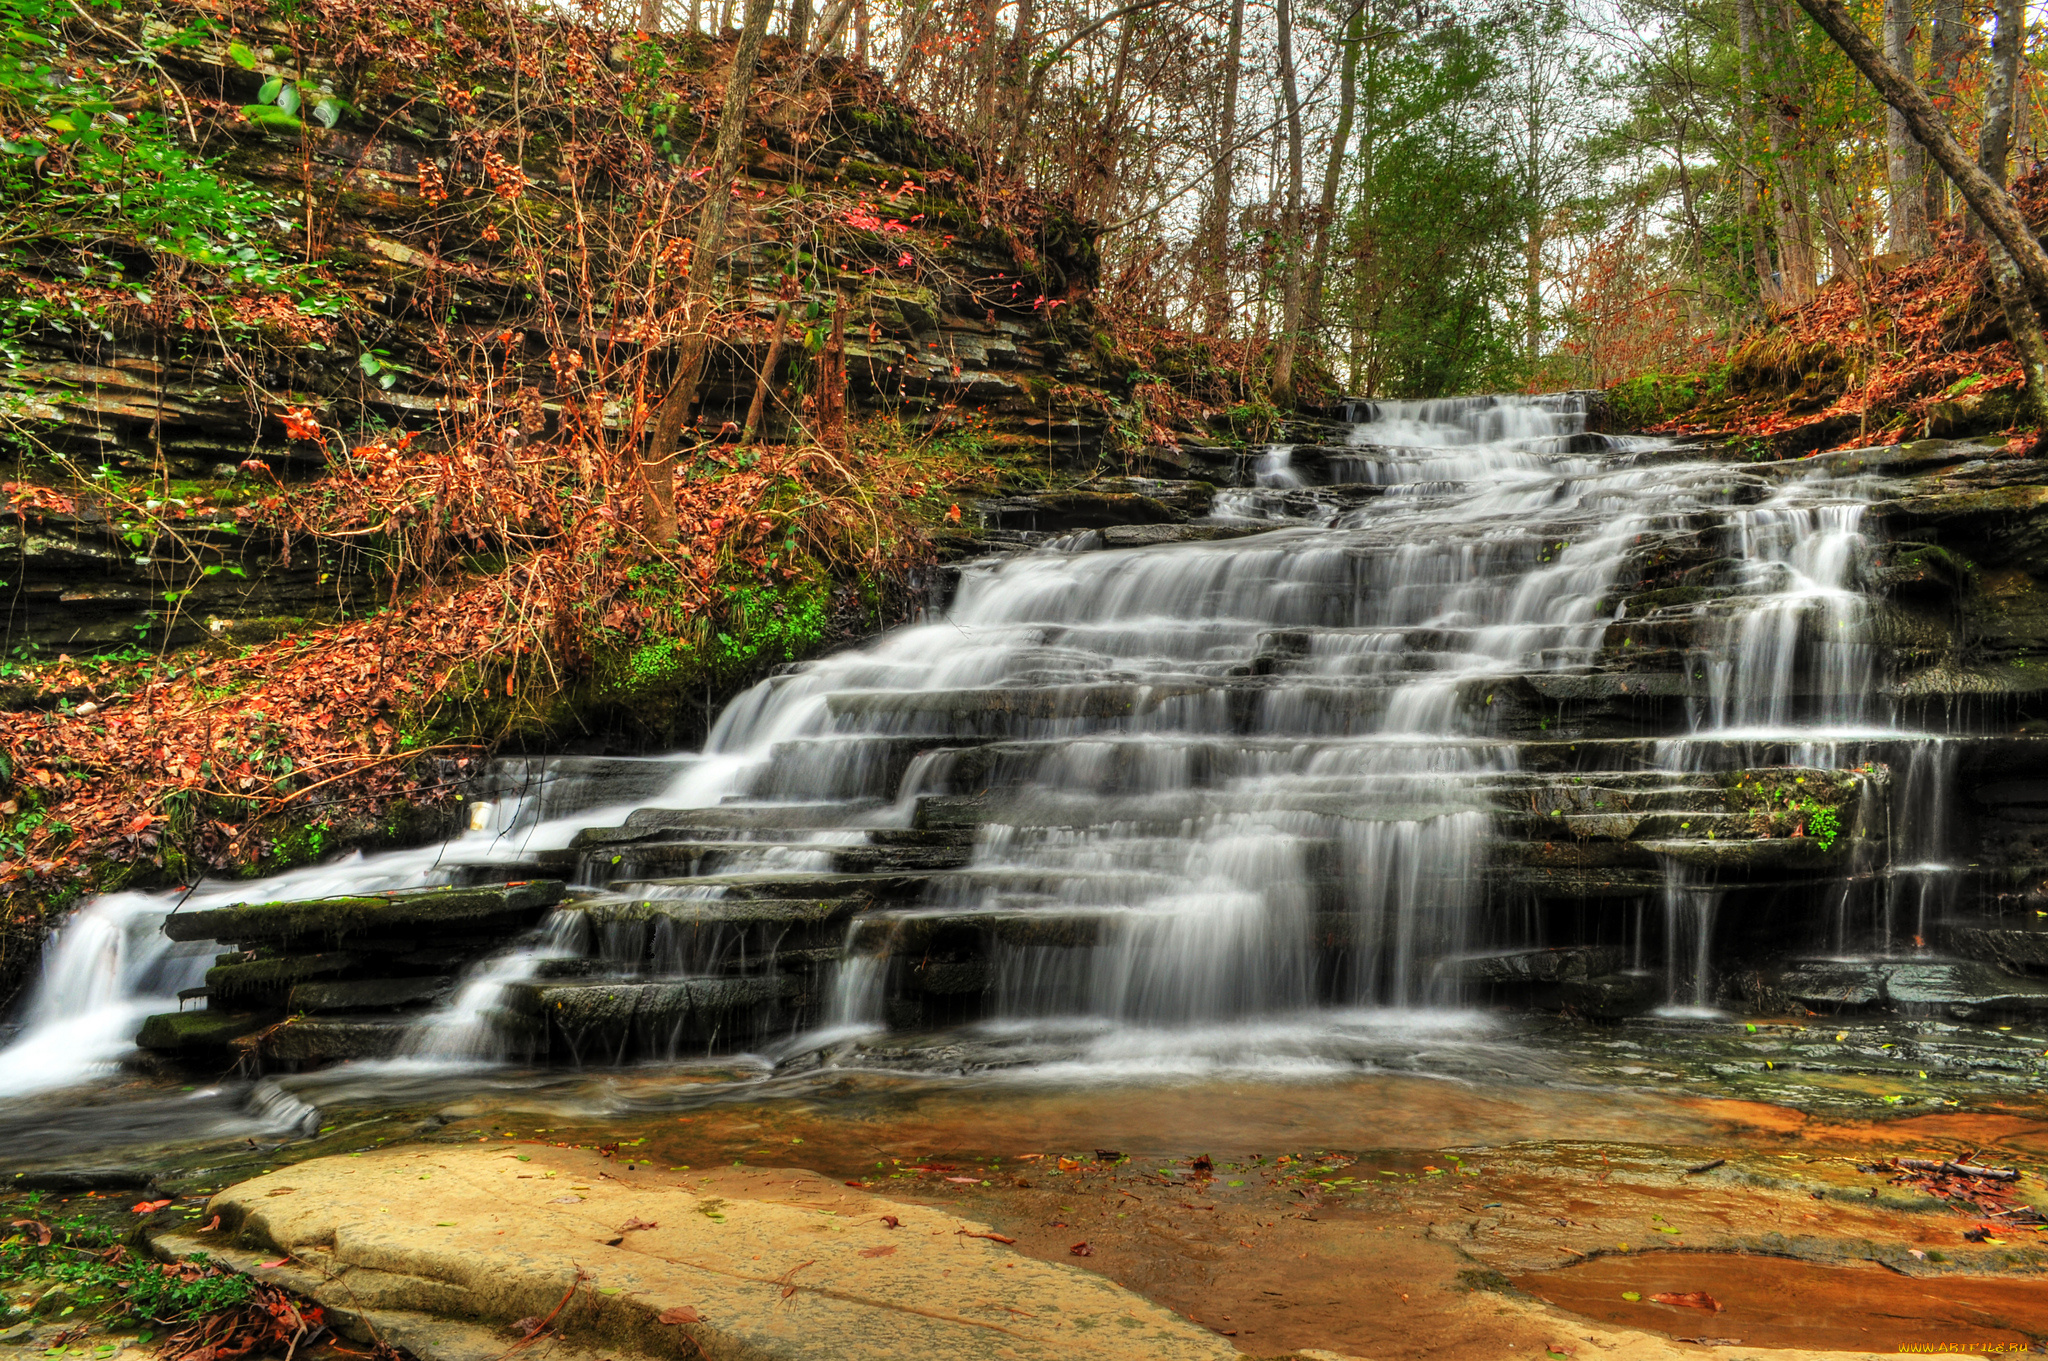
{"type": "Point", "coordinates": [1202, 833]}
{"type": "Point", "coordinates": [1219, 783]}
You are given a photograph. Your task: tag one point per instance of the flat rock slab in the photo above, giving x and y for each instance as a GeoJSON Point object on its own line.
{"type": "Point", "coordinates": [755, 1264]}
{"type": "Point", "coordinates": [337, 919]}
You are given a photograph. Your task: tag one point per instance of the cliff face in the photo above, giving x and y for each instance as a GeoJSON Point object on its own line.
{"type": "Point", "coordinates": [488, 243]}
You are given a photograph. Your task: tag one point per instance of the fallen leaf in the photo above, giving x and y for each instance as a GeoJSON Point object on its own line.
{"type": "Point", "coordinates": [42, 1230]}
{"type": "Point", "coordinates": [1068, 1164]}
{"type": "Point", "coordinates": [891, 1220]}
{"type": "Point", "coordinates": [992, 1237]}
{"type": "Point", "coordinates": [636, 1223]}
{"type": "Point", "coordinates": [282, 1261]}
{"type": "Point", "coordinates": [1690, 1299]}
{"type": "Point", "coordinates": [971, 1181]}
{"type": "Point", "coordinates": [882, 1251]}
{"type": "Point", "coordinates": [149, 1207]}
{"type": "Point", "coordinates": [681, 1313]}
{"type": "Point", "coordinates": [210, 1225]}
{"type": "Point", "coordinates": [1082, 1250]}
{"type": "Point", "coordinates": [1632, 1296]}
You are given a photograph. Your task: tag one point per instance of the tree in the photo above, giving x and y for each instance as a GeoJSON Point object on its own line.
{"type": "Point", "coordinates": [657, 468]}
{"type": "Point", "coordinates": [1906, 163]}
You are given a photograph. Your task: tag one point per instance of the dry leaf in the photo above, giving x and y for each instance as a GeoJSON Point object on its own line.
{"type": "Point", "coordinates": [1082, 1250]}
{"type": "Point", "coordinates": [681, 1313]}
{"type": "Point", "coordinates": [1691, 1299]}
{"type": "Point", "coordinates": [882, 1251]}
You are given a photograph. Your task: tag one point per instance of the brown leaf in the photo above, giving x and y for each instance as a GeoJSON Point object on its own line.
{"type": "Point", "coordinates": [1082, 1250]}
{"type": "Point", "coordinates": [882, 1251]}
{"type": "Point", "coordinates": [891, 1220]}
{"type": "Point", "coordinates": [1691, 1299]}
{"type": "Point", "coordinates": [43, 1230]}
{"type": "Point", "coordinates": [992, 1237]}
{"type": "Point", "coordinates": [681, 1313]}
{"type": "Point", "coordinates": [636, 1223]}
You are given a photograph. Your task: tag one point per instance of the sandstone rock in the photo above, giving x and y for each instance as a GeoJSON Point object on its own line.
{"type": "Point", "coordinates": [763, 1265]}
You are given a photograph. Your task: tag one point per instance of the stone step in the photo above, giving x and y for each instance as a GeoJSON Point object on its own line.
{"type": "Point", "coordinates": [616, 1020]}
{"type": "Point", "coordinates": [339, 920]}
{"type": "Point", "coordinates": [770, 885]}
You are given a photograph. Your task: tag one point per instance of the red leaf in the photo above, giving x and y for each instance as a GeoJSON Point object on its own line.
{"type": "Point", "coordinates": [681, 1313]}
{"type": "Point", "coordinates": [891, 1220]}
{"type": "Point", "coordinates": [282, 1261]}
{"type": "Point", "coordinates": [150, 1207]}
{"type": "Point", "coordinates": [1082, 1250]}
{"type": "Point", "coordinates": [1691, 1299]}
{"type": "Point", "coordinates": [43, 1230]}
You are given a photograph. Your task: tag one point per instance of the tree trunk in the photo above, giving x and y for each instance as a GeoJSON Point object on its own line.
{"type": "Point", "coordinates": [1016, 65]}
{"type": "Point", "coordinates": [1216, 262]}
{"type": "Point", "coordinates": [1532, 240]}
{"type": "Point", "coordinates": [1333, 172]}
{"type": "Point", "coordinates": [1947, 45]}
{"type": "Point", "coordinates": [1994, 139]}
{"type": "Point", "coordinates": [828, 31]}
{"type": "Point", "coordinates": [1291, 218]}
{"type": "Point", "coordinates": [1796, 268]}
{"type": "Point", "coordinates": [650, 16]}
{"type": "Point", "coordinates": [911, 57]}
{"type": "Point", "coordinates": [2023, 321]}
{"type": "Point", "coordinates": [1905, 162]}
{"type": "Point", "coordinates": [831, 387]}
{"type": "Point", "coordinates": [657, 472]}
{"type": "Point", "coordinates": [2020, 270]}
{"type": "Point", "coordinates": [1987, 199]}
{"type": "Point", "coordinates": [1769, 281]}
{"type": "Point", "coordinates": [757, 410]}
{"type": "Point", "coordinates": [799, 24]}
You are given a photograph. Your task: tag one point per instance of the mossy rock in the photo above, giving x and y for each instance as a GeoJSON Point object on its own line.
{"type": "Point", "coordinates": [186, 1032]}
{"type": "Point", "coordinates": [336, 919]}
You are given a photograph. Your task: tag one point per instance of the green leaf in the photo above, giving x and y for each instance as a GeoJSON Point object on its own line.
{"type": "Point", "coordinates": [272, 88]}
{"type": "Point", "coordinates": [288, 99]}
{"type": "Point", "coordinates": [264, 116]}
{"type": "Point", "coordinates": [367, 362]}
{"type": "Point", "coordinates": [1631, 1296]}
{"type": "Point", "coordinates": [328, 111]}
{"type": "Point", "coordinates": [241, 56]}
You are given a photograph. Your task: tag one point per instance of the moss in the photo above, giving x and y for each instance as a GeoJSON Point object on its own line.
{"type": "Point", "coordinates": [184, 1031]}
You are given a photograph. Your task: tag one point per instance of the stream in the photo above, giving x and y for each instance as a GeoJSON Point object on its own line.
{"type": "Point", "coordinates": [1284, 800]}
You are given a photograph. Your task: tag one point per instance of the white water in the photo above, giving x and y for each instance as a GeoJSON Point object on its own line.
{"type": "Point", "coordinates": [110, 965]}
{"type": "Point", "coordinates": [1215, 758]}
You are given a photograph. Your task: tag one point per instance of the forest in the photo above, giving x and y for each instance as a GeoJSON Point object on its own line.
{"type": "Point", "coordinates": [1068, 679]}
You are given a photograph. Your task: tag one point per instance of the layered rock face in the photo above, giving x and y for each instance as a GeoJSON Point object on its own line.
{"type": "Point", "coordinates": [497, 265]}
{"type": "Point", "coordinates": [1461, 703]}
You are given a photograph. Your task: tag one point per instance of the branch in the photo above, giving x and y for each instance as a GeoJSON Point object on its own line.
{"type": "Point", "coordinates": [1045, 63]}
{"type": "Point", "coordinates": [1991, 203]}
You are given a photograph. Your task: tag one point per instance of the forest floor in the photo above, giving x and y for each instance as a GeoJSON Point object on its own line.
{"type": "Point", "coordinates": [1910, 348]}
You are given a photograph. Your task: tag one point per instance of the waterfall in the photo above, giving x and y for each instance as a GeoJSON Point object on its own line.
{"type": "Point", "coordinates": [1405, 703]}
{"type": "Point", "coordinates": [104, 969]}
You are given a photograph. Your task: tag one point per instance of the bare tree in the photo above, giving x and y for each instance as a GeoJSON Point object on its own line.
{"type": "Point", "coordinates": [1905, 162]}
{"type": "Point", "coordinates": [1289, 337]}
{"type": "Point", "coordinates": [657, 471]}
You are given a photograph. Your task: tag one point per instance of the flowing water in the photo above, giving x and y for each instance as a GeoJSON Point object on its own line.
{"type": "Point", "coordinates": [1223, 794]}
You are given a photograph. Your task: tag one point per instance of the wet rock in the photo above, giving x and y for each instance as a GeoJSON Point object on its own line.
{"type": "Point", "coordinates": [367, 994]}
{"type": "Point", "coordinates": [2014, 946]}
{"type": "Point", "coordinates": [335, 920]}
{"type": "Point", "coordinates": [196, 1032]}
{"type": "Point", "coordinates": [333, 1040]}
{"type": "Point", "coordinates": [267, 978]}
{"type": "Point", "coordinates": [1962, 989]}
{"type": "Point", "coordinates": [1538, 966]}
{"type": "Point", "coordinates": [1065, 512]}
{"type": "Point", "coordinates": [1613, 997]}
